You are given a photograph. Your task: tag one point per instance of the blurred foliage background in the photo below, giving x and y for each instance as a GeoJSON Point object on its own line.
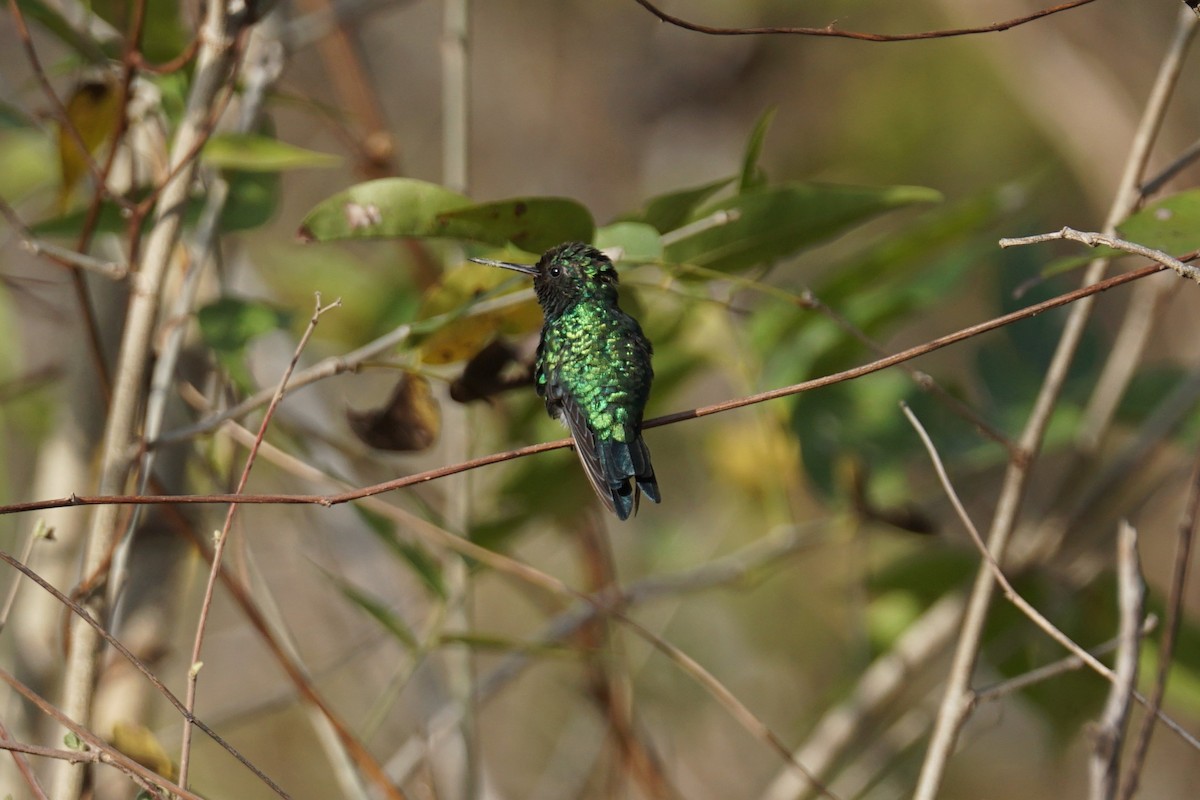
{"type": "Point", "coordinates": [865, 186]}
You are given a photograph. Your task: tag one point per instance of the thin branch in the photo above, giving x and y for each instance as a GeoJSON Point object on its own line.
{"type": "Point", "coordinates": [997, 574]}
{"type": "Point", "coordinates": [726, 698]}
{"type": "Point", "coordinates": [6, 743]}
{"type": "Point", "coordinates": [223, 537]}
{"type": "Point", "coordinates": [1181, 162]}
{"type": "Point", "coordinates": [141, 667]}
{"type": "Point", "coordinates": [829, 30]}
{"type": "Point", "coordinates": [1053, 669]}
{"type": "Point", "coordinates": [214, 65]}
{"type": "Point", "coordinates": [1001, 579]}
{"type": "Point", "coordinates": [60, 255]}
{"type": "Point", "coordinates": [1185, 533]}
{"type": "Point", "coordinates": [104, 753]}
{"type": "Point", "coordinates": [955, 701]}
{"type": "Point", "coordinates": [1110, 733]}
{"type": "Point", "coordinates": [669, 419]}
{"type": "Point", "coordinates": [1092, 239]}
{"type": "Point", "coordinates": [325, 368]}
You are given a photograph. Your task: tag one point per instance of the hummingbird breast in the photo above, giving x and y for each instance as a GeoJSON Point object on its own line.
{"type": "Point", "coordinates": [599, 360]}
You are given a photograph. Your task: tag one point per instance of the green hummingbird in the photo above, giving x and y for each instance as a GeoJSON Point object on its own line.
{"type": "Point", "coordinates": [593, 370]}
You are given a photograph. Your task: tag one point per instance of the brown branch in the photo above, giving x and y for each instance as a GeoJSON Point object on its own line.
{"type": "Point", "coordinates": [838, 33]}
{"type": "Point", "coordinates": [223, 537]}
{"type": "Point", "coordinates": [101, 752]}
{"type": "Point", "coordinates": [669, 419]}
{"type": "Point", "coordinates": [141, 667]}
{"type": "Point", "coordinates": [17, 750]}
{"type": "Point", "coordinates": [1185, 533]}
{"type": "Point", "coordinates": [1105, 763]}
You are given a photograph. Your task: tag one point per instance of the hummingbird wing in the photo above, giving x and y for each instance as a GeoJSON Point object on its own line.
{"type": "Point", "coordinates": [586, 447]}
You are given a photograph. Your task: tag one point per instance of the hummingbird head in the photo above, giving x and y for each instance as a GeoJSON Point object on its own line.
{"type": "Point", "coordinates": [568, 274]}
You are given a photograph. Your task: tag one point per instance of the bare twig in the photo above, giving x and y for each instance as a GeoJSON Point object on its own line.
{"type": "Point", "coordinates": [887, 677]}
{"type": "Point", "coordinates": [38, 531]}
{"type": "Point", "coordinates": [6, 743]}
{"type": "Point", "coordinates": [1001, 579]}
{"type": "Point", "coordinates": [737, 709]}
{"type": "Point", "coordinates": [1110, 732]}
{"type": "Point", "coordinates": [1184, 535]}
{"type": "Point", "coordinates": [83, 614]}
{"type": "Point", "coordinates": [1053, 669]}
{"type": "Point", "coordinates": [1097, 239]}
{"type": "Point", "coordinates": [955, 702]}
{"type": "Point", "coordinates": [212, 69]}
{"type": "Point", "coordinates": [669, 419]}
{"type": "Point", "coordinates": [326, 368]}
{"type": "Point", "coordinates": [1181, 162]}
{"type": "Point", "coordinates": [60, 255]}
{"type": "Point", "coordinates": [104, 753]}
{"type": "Point", "coordinates": [829, 30]}
{"type": "Point", "coordinates": [223, 537]}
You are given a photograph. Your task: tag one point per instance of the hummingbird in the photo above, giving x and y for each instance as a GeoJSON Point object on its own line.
{"type": "Point", "coordinates": [593, 370]}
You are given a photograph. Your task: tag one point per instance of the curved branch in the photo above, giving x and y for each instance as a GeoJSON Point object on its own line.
{"type": "Point", "coordinates": [838, 33]}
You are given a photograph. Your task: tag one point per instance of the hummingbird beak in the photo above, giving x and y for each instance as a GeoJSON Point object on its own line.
{"type": "Point", "coordinates": [525, 268]}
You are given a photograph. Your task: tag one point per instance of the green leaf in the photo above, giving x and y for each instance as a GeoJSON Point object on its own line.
{"type": "Point", "coordinates": [389, 207]}
{"type": "Point", "coordinates": [422, 563]}
{"type": "Point", "coordinates": [163, 37]}
{"type": "Point", "coordinates": [1171, 225]}
{"type": "Point", "coordinates": [404, 207]}
{"type": "Point", "coordinates": [534, 224]}
{"type": "Point", "coordinates": [503, 645]}
{"type": "Point", "coordinates": [256, 153]}
{"type": "Point", "coordinates": [667, 212]}
{"type": "Point", "coordinates": [73, 742]}
{"type": "Point", "coordinates": [752, 177]}
{"type": "Point", "coordinates": [252, 200]}
{"type": "Point", "coordinates": [379, 611]}
{"type": "Point", "coordinates": [768, 224]}
{"type": "Point", "coordinates": [13, 117]}
{"type": "Point", "coordinates": [230, 323]}
{"type": "Point", "coordinates": [636, 240]}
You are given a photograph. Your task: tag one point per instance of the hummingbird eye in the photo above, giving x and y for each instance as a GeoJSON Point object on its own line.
{"type": "Point", "coordinates": [555, 272]}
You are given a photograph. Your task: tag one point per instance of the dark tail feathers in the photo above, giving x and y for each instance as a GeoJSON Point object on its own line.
{"type": "Point", "coordinates": [629, 474]}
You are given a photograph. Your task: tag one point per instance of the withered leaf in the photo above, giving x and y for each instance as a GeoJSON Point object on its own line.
{"type": "Point", "coordinates": [494, 369]}
{"type": "Point", "coordinates": [410, 420]}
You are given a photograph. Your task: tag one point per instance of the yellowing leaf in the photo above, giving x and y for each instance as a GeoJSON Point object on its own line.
{"type": "Point", "coordinates": [137, 742]}
{"type": "Point", "coordinates": [93, 111]}
{"type": "Point", "coordinates": [462, 338]}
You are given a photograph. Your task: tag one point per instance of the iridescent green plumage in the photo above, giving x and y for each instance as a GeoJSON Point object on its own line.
{"type": "Point", "coordinates": [593, 370]}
